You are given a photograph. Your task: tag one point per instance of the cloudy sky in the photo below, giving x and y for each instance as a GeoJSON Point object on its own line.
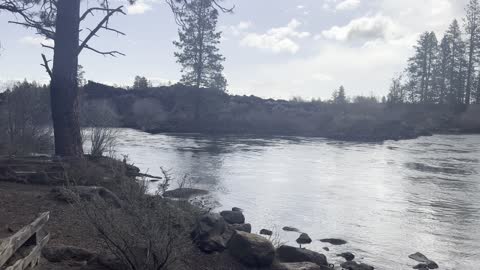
{"type": "Point", "coordinates": [274, 48]}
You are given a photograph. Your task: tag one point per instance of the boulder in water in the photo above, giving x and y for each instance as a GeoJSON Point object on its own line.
{"type": "Point", "coordinates": [347, 256]}
{"type": "Point", "coordinates": [290, 229]}
{"type": "Point", "coordinates": [304, 239]}
{"type": "Point", "coordinates": [293, 254]}
{"type": "Point", "coordinates": [266, 232]}
{"type": "Point", "coordinates": [334, 241]}
{"type": "Point", "coordinates": [233, 217]}
{"type": "Point", "coordinates": [419, 257]}
{"type": "Point", "coordinates": [351, 265]}
{"type": "Point", "coordinates": [211, 233]}
{"type": "Point", "coordinates": [251, 250]}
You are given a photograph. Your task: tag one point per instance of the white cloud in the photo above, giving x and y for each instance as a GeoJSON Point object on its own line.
{"type": "Point", "coordinates": [36, 41]}
{"type": "Point", "coordinates": [277, 40]}
{"type": "Point", "coordinates": [237, 30]}
{"type": "Point", "coordinates": [139, 7]}
{"type": "Point", "coordinates": [347, 4]}
{"type": "Point", "coordinates": [364, 29]}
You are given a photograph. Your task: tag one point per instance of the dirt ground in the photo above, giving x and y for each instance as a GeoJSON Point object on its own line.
{"type": "Point", "coordinates": [20, 204]}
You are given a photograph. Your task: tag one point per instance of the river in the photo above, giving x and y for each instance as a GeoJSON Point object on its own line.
{"type": "Point", "coordinates": [387, 200]}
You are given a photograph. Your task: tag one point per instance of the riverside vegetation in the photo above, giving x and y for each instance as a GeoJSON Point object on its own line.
{"type": "Point", "coordinates": [180, 108]}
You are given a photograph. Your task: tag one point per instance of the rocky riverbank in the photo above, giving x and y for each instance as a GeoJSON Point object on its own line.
{"type": "Point", "coordinates": [222, 240]}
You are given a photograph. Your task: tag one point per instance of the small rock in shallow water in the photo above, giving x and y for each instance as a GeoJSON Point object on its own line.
{"type": "Point", "coordinates": [334, 241]}
{"type": "Point", "coordinates": [290, 229]}
{"type": "Point", "coordinates": [236, 209]}
{"type": "Point", "coordinates": [326, 249]}
{"type": "Point", "coordinates": [266, 232]}
{"type": "Point", "coordinates": [347, 256]}
{"type": "Point", "coordinates": [304, 239]}
{"type": "Point", "coordinates": [419, 257]}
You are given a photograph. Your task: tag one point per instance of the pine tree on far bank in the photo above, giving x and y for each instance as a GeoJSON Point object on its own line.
{"type": "Point", "coordinates": [198, 51]}
{"type": "Point", "coordinates": [339, 96]}
{"type": "Point", "coordinates": [472, 30]}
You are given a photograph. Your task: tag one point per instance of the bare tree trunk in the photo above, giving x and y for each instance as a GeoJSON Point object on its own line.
{"type": "Point", "coordinates": [64, 85]}
{"type": "Point", "coordinates": [470, 69]}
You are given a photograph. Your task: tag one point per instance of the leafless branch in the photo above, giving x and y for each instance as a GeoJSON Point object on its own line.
{"type": "Point", "coordinates": [46, 66]}
{"type": "Point", "coordinates": [100, 25]}
{"type": "Point", "coordinates": [105, 53]}
{"type": "Point", "coordinates": [47, 46]}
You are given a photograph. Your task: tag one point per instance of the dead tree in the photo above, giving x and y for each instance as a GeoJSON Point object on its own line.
{"type": "Point", "coordinates": [60, 20]}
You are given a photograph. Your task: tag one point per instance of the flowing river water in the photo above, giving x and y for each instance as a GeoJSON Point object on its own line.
{"type": "Point", "coordinates": [387, 200]}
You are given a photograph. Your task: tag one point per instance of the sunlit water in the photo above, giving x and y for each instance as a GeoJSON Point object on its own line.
{"type": "Point", "coordinates": [387, 200]}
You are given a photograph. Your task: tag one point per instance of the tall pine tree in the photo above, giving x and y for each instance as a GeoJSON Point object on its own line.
{"type": "Point", "coordinates": [198, 52]}
{"type": "Point", "coordinates": [457, 66]}
{"type": "Point", "coordinates": [420, 69]}
{"type": "Point", "coordinates": [472, 29]}
{"type": "Point", "coordinates": [442, 70]}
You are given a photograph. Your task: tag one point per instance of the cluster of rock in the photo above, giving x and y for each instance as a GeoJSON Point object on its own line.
{"type": "Point", "coordinates": [228, 232]}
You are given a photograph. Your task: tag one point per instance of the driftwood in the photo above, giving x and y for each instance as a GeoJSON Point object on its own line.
{"type": "Point", "coordinates": [10, 245]}
{"type": "Point", "coordinates": [148, 176]}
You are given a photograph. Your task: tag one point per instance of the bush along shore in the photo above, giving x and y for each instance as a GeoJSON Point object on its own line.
{"type": "Point", "coordinates": [183, 109]}
{"type": "Point", "coordinates": [102, 217]}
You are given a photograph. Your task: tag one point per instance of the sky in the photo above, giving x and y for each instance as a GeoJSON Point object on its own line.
{"type": "Point", "coordinates": [273, 48]}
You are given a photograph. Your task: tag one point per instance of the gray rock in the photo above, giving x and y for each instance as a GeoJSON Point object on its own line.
{"type": "Point", "coordinates": [351, 265]}
{"type": "Point", "coordinates": [211, 233]}
{"type": "Point", "coordinates": [236, 209]}
{"type": "Point", "coordinates": [326, 249]}
{"type": "Point", "coordinates": [233, 217]}
{"type": "Point", "coordinates": [251, 250]}
{"type": "Point", "coordinates": [290, 229]}
{"type": "Point", "coordinates": [419, 257]}
{"type": "Point", "coordinates": [304, 239]}
{"type": "Point", "coordinates": [334, 241]}
{"type": "Point", "coordinates": [266, 232]}
{"type": "Point", "coordinates": [242, 227]}
{"type": "Point", "coordinates": [347, 256]}
{"type": "Point", "coordinates": [292, 254]}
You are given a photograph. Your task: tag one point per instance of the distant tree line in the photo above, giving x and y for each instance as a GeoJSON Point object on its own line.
{"type": "Point", "coordinates": [445, 71]}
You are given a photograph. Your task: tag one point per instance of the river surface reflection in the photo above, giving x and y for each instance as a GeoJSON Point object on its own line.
{"type": "Point", "coordinates": [387, 200]}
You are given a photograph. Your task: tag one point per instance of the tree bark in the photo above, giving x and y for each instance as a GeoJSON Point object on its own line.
{"type": "Point", "coordinates": [470, 68]}
{"type": "Point", "coordinates": [64, 85]}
